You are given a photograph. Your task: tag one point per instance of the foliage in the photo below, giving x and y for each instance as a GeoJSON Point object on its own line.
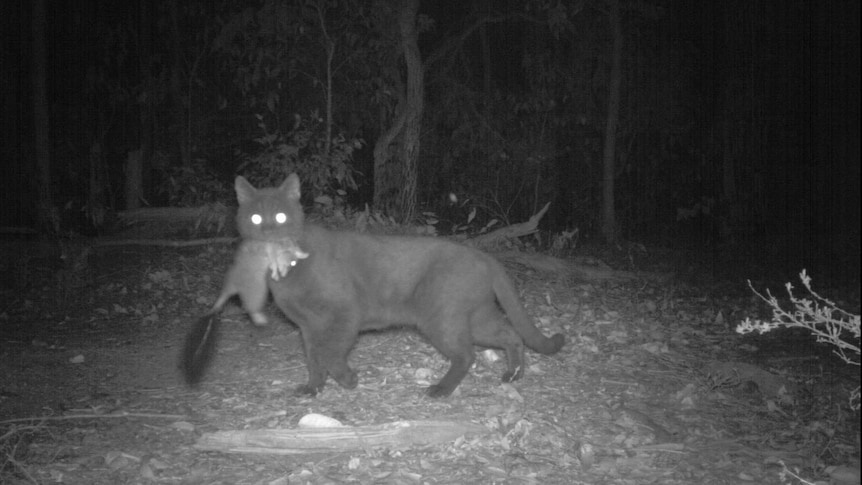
{"type": "Point", "coordinates": [256, 48]}
{"type": "Point", "coordinates": [302, 151]}
{"type": "Point", "coordinates": [309, 56]}
{"type": "Point", "coordinates": [821, 317]}
{"type": "Point", "coordinates": [522, 139]}
{"type": "Point", "coordinates": [704, 207]}
{"type": "Point", "coordinates": [277, 53]}
{"type": "Point", "coordinates": [458, 217]}
{"type": "Point", "coordinates": [194, 186]}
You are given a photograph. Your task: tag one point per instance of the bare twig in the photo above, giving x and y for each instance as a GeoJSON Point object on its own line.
{"type": "Point", "coordinates": [120, 414]}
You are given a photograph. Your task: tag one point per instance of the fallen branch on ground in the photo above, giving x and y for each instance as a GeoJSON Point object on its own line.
{"type": "Point", "coordinates": [398, 434]}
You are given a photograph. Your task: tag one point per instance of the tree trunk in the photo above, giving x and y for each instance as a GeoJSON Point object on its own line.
{"type": "Point", "coordinates": [145, 107]}
{"type": "Point", "coordinates": [485, 9]}
{"type": "Point", "coordinates": [330, 53]}
{"type": "Point", "coordinates": [41, 122]}
{"type": "Point", "coordinates": [395, 168]}
{"type": "Point", "coordinates": [134, 190]}
{"type": "Point", "coordinates": [728, 182]}
{"type": "Point", "coordinates": [329, 46]}
{"type": "Point", "coordinates": [608, 212]}
{"type": "Point", "coordinates": [179, 99]}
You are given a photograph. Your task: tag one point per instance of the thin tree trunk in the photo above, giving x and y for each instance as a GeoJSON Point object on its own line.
{"type": "Point", "coordinates": [415, 104]}
{"type": "Point", "coordinates": [180, 107]}
{"type": "Point", "coordinates": [395, 167]}
{"type": "Point", "coordinates": [386, 169]}
{"type": "Point", "coordinates": [608, 210]}
{"type": "Point", "coordinates": [330, 53]}
{"type": "Point", "coordinates": [484, 9]}
{"type": "Point", "coordinates": [136, 176]}
{"type": "Point", "coordinates": [41, 121]}
{"type": "Point", "coordinates": [329, 47]}
{"type": "Point", "coordinates": [728, 183]}
{"type": "Point", "coordinates": [134, 187]}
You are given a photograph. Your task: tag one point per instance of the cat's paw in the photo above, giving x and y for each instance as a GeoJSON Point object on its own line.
{"type": "Point", "coordinates": [438, 391]}
{"type": "Point", "coordinates": [347, 379]}
{"type": "Point", "coordinates": [513, 375]}
{"type": "Point", "coordinates": [306, 390]}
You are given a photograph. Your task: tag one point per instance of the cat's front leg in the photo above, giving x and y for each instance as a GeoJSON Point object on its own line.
{"type": "Point", "coordinates": [327, 343]}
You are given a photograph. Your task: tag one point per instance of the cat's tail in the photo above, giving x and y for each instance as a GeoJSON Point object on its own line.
{"type": "Point", "coordinates": [199, 347]}
{"type": "Point", "coordinates": [507, 296]}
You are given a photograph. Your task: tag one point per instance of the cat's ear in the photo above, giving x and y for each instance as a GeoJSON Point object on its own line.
{"type": "Point", "coordinates": [290, 186]}
{"type": "Point", "coordinates": [244, 190]}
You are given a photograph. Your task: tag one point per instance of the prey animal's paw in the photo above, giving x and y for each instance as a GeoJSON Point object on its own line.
{"type": "Point", "coordinates": [259, 319]}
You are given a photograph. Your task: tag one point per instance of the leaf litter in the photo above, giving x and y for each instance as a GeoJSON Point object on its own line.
{"type": "Point", "coordinates": [653, 386]}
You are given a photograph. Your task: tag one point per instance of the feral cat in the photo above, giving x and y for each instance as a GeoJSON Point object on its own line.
{"type": "Point", "coordinates": [254, 260]}
{"type": "Point", "coordinates": [353, 282]}
{"type": "Point", "coordinates": [247, 277]}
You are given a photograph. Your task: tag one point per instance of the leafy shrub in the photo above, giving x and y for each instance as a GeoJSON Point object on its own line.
{"type": "Point", "coordinates": [303, 150]}
{"type": "Point", "coordinates": [194, 186]}
{"type": "Point", "coordinates": [821, 317]}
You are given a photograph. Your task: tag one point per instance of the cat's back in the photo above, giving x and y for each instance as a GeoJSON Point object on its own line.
{"type": "Point", "coordinates": [394, 254]}
{"type": "Point", "coordinates": [393, 245]}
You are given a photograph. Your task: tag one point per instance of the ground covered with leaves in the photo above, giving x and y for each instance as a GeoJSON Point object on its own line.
{"type": "Point", "coordinates": [652, 386]}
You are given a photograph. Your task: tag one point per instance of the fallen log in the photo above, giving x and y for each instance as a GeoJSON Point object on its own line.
{"type": "Point", "coordinates": [529, 226]}
{"type": "Point", "coordinates": [398, 434]}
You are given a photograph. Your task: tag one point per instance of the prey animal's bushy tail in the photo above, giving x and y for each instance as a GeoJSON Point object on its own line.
{"type": "Point", "coordinates": [199, 347]}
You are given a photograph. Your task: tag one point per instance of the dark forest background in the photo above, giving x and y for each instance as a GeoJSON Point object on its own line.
{"type": "Point", "coordinates": [737, 122]}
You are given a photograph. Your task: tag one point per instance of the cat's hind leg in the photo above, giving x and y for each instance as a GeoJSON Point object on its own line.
{"type": "Point", "coordinates": [453, 340]}
{"type": "Point", "coordinates": [327, 344]}
{"type": "Point", "coordinates": [340, 339]}
{"type": "Point", "coordinates": [314, 363]}
{"type": "Point", "coordinates": [490, 329]}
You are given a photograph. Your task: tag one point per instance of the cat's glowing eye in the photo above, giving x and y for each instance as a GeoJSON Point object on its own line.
{"type": "Point", "coordinates": [281, 218]}
{"type": "Point", "coordinates": [256, 219]}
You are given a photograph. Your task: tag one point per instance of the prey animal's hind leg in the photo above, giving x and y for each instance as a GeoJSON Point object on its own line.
{"type": "Point", "coordinates": [247, 278]}
{"type": "Point", "coordinates": [490, 329]}
{"type": "Point", "coordinates": [248, 275]}
{"type": "Point", "coordinates": [253, 296]}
